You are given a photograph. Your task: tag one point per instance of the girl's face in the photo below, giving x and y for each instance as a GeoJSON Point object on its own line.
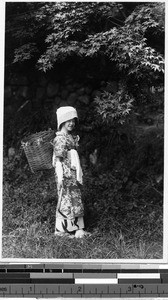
{"type": "Point", "coordinates": [69, 125]}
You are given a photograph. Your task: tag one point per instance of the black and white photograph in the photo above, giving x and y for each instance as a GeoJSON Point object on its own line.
{"type": "Point", "coordinates": [83, 130]}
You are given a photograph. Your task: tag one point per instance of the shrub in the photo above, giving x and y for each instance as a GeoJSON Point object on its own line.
{"type": "Point", "coordinates": [114, 108]}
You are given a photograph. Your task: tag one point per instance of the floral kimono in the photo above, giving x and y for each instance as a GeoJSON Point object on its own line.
{"type": "Point", "coordinates": [70, 210]}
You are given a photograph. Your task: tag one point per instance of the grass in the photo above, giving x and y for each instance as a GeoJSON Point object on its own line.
{"type": "Point", "coordinates": [121, 231]}
{"type": "Point", "coordinates": [39, 242]}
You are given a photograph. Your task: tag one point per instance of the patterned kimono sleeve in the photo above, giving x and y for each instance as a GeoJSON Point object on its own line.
{"type": "Point", "coordinates": [60, 146]}
{"type": "Point", "coordinates": [59, 149]}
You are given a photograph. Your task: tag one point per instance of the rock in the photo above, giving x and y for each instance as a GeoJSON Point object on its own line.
{"type": "Point", "coordinates": [40, 92]}
{"type": "Point", "coordinates": [64, 94]}
{"type": "Point", "coordinates": [57, 100]}
{"type": "Point", "coordinates": [80, 91]}
{"type": "Point", "coordinates": [84, 99]}
{"type": "Point", "coordinates": [18, 79]}
{"type": "Point", "coordinates": [63, 103]}
{"type": "Point", "coordinates": [160, 89]}
{"type": "Point", "coordinates": [42, 81]}
{"type": "Point", "coordinates": [7, 92]}
{"type": "Point", "coordinates": [8, 109]}
{"type": "Point", "coordinates": [159, 178]}
{"type": "Point", "coordinates": [11, 153]}
{"type": "Point", "coordinates": [53, 118]}
{"type": "Point", "coordinates": [70, 87]}
{"type": "Point", "coordinates": [102, 83]}
{"type": "Point", "coordinates": [52, 89]}
{"type": "Point", "coordinates": [88, 90]}
{"type": "Point", "coordinates": [68, 81]}
{"type": "Point", "coordinates": [48, 101]}
{"type": "Point", "coordinates": [93, 157]}
{"type": "Point", "coordinates": [76, 86]}
{"type": "Point", "coordinates": [72, 99]}
{"type": "Point", "coordinates": [23, 91]}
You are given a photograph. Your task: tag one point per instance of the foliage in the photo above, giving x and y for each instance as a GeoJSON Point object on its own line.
{"type": "Point", "coordinates": [129, 188]}
{"type": "Point", "coordinates": [121, 223]}
{"type": "Point", "coordinates": [114, 108]}
{"type": "Point", "coordinates": [117, 200]}
{"type": "Point", "coordinates": [147, 17]}
{"type": "Point", "coordinates": [133, 57]}
{"type": "Point", "coordinates": [149, 150]}
{"type": "Point", "coordinates": [25, 52]}
{"type": "Point", "coordinates": [93, 29]}
{"type": "Point", "coordinates": [126, 46]}
{"type": "Point", "coordinates": [23, 33]}
{"type": "Point", "coordinates": [25, 123]}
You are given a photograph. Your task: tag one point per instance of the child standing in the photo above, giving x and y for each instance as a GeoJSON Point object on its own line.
{"type": "Point", "coordinates": [68, 174]}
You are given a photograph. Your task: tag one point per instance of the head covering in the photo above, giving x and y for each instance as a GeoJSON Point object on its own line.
{"type": "Point", "coordinates": [64, 114]}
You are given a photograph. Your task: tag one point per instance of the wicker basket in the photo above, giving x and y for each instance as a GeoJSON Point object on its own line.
{"type": "Point", "coordinates": [39, 150]}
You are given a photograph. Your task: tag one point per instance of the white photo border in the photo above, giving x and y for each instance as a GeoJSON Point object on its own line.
{"type": "Point", "coordinates": [148, 262]}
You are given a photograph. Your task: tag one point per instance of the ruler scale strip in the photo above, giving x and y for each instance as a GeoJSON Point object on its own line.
{"type": "Point", "coordinates": [83, 280]}
{"type": "Point", "coordinates": [85, 289]}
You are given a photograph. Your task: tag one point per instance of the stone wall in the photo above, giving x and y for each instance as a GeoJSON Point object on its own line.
{"type": "Point", "coordinates": [27, 93]}
{"type": "Point", "coordinates": [24, 95]}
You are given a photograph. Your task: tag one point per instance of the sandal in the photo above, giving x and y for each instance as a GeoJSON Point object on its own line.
{"type": "Point", "coordinates": [82, 235]}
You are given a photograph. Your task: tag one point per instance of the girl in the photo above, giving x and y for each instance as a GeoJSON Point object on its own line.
{"type": "Point", "coordinates": [68, 173]}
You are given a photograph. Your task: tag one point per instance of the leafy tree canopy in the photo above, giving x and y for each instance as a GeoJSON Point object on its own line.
{"type": "Point", "coordinates": [131, 35]}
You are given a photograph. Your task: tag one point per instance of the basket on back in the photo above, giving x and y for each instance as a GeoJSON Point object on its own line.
{"type": "Point", "coordinates": [39, 150]}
